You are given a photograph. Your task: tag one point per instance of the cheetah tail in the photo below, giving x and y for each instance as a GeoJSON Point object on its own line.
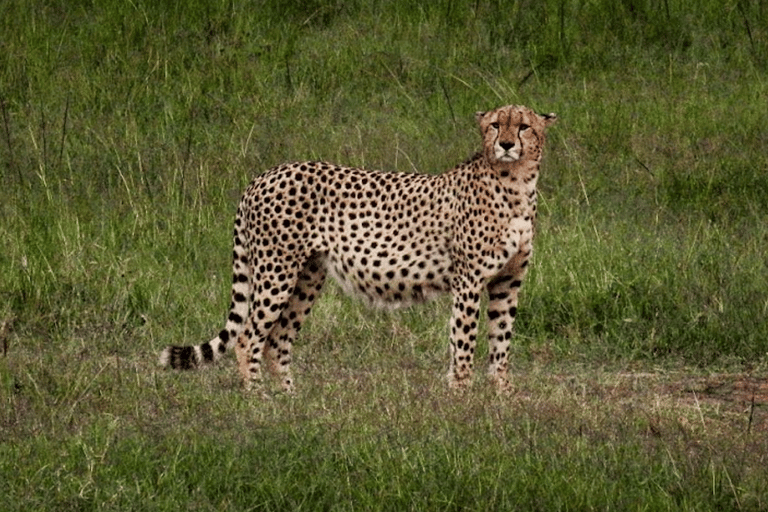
{"type": "Point", "coordinates": [191, 356]}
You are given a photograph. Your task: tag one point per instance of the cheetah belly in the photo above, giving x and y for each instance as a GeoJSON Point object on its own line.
{"type": "Point", "coordinates": [391, 279]}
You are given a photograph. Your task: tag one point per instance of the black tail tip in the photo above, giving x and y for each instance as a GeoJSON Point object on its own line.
{"type": "Point", "coordinates": [179, 358]}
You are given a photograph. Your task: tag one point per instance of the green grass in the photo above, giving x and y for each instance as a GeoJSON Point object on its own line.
{"type": "Point", "coordinates": [129, 129]}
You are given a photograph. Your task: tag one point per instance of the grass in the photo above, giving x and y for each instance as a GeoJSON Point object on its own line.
{"type": "Point", "coordinates": [129, 129]}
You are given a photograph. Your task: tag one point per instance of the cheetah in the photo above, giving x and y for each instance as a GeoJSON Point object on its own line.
{"type": "Point", "coordinates": [390, 238]}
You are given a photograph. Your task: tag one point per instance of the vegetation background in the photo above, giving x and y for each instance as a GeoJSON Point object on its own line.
{"type": "Point", "coordinates": [128, 129]}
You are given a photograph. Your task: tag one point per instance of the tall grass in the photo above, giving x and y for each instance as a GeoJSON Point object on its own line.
{"type": "Point", "coordinates": [129, 129]}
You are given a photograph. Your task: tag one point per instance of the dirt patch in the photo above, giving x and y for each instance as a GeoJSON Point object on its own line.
{"type": "Point", "coordinates": [740, 398]}
{"type": "Point", "coordinates": [729, 388]}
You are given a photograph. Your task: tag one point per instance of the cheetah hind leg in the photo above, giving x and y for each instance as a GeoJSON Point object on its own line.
{"type": "Point", "coordinates": [266, 309]}
{"type": "Point", "coordinates": [283, 334]}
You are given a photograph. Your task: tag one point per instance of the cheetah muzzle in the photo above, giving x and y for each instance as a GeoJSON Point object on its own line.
{"type": "Point", "coordinates": [391, 238]}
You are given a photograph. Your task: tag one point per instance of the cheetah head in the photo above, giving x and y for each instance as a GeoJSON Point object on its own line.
{"type": "Point", "coordinates": [513, 133]}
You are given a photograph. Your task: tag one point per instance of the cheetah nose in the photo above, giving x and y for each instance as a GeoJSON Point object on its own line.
{"type": "Point", "coordinates": [506, 146]}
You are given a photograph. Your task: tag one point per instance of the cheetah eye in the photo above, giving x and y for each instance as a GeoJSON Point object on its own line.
{"type": "Point", "coordinates": [524, 127]}
{"type": "Point", "coordinates": [495, 126]}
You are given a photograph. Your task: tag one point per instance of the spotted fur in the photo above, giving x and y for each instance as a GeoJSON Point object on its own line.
{"type": "Point", "coordinates": [391, 238]}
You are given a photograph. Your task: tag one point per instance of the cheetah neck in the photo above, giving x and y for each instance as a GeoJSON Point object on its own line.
{"type": "Point", "coordinates": [524, 172]}
{"type": "Point", "coordinates": [518, 188]}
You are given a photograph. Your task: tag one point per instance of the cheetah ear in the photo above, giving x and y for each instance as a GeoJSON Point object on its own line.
{"type": "Point", "coordinates": [479, 116]}
{"type": "Point", "coordinates": [549, 119]}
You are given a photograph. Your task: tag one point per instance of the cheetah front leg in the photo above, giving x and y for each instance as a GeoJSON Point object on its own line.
{"type": "Point", "coordinates": [464, 318]}
{"type": "Point", "coordinates": [502, 308]}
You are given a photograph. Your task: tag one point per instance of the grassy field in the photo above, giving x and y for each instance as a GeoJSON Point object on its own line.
{"type": "Point", "coordinates": [128, 129]}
